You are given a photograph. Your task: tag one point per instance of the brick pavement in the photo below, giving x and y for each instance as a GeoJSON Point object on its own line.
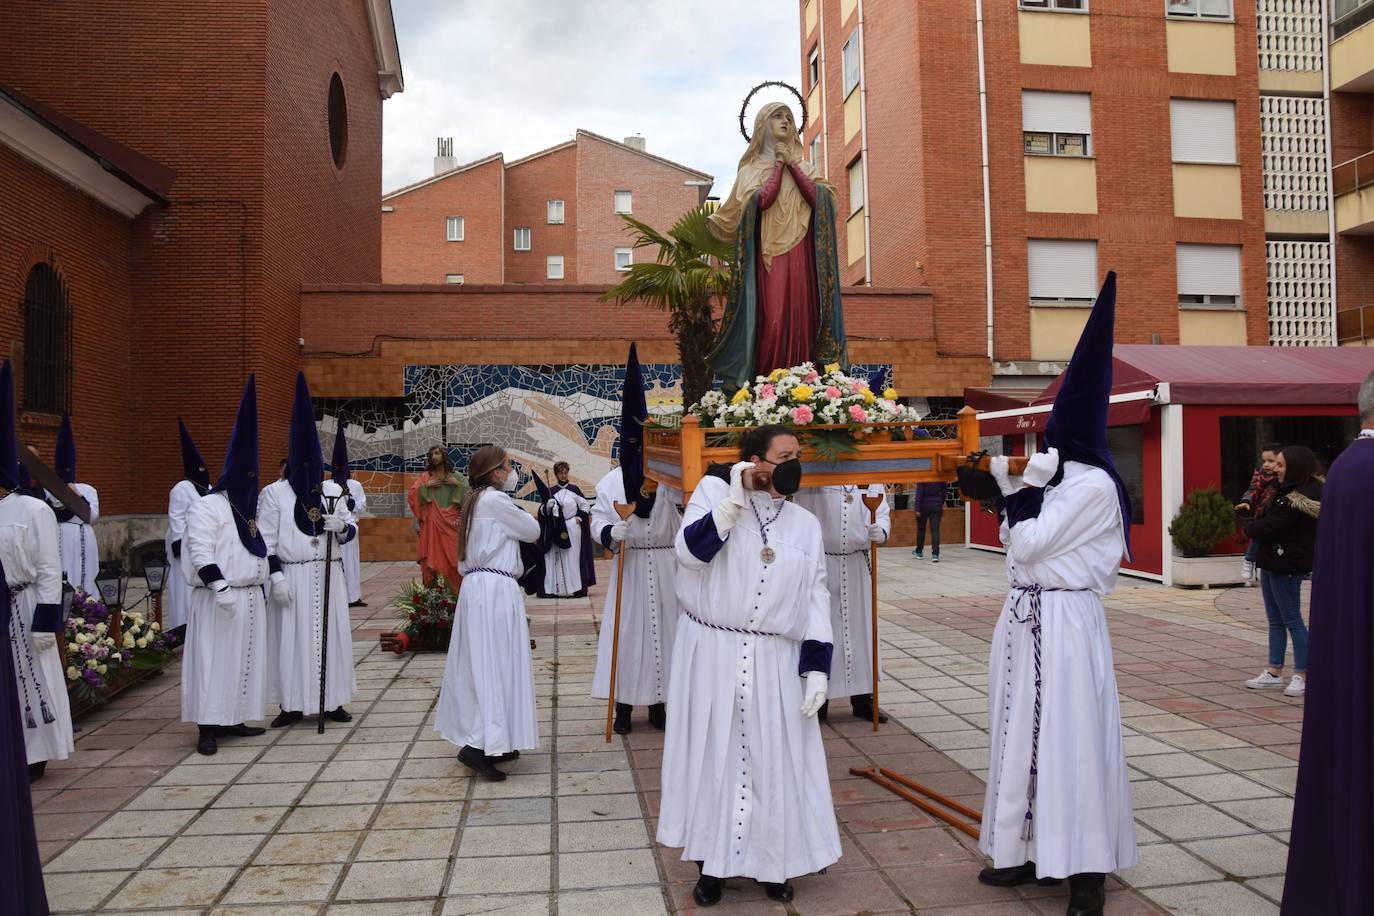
{"type": "Point", "coordinates": [378, 817]}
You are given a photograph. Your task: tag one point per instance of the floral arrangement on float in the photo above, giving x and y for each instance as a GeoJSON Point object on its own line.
{"type": "Point", "coordinates": [101, 658]}
{"type": "Point", "coordinates": [426, 616]}
{"type": "Point", "coordinates": [144, 645]}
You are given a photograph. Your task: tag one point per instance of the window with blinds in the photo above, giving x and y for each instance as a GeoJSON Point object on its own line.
{"type": "Point", "coordinates": [454, 228]}
{"type": "Point", "coordinates": [1056, 123]}
{"type": "Point", "coordinates": [624, 257]}
{"type": "Point", "coordinates": [856, 186]}
{"type": "Point", "coordinates": [849, 57]}
{"type": "Point", "coordinates": [555, 211]}
{"type": "Point", "coordinates": [553, 267]}
{"type": "Point", "coordinates": [622, 202]}
{"type": "Point", "coordinates": [1208, 276]}
{"type": "Point", "coordinates": [1062, 271]}
{"type": "Point", "coordinates": [1203, 131]}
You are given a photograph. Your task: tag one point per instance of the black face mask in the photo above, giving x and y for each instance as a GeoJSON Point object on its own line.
{"type": "Point", "coordinates": [787, 476]}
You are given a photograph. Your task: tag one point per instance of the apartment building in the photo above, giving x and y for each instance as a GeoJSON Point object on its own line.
{"type": "Point", "coordinates": [554, 217]}
{"type": "Point", "coordinates": [1351, 54]}
{"type": "Point", "coordinates": [1007, 154]}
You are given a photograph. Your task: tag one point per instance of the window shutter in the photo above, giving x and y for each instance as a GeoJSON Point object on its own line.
{"type": "Point", "coordinates": [856, 186]}
{"type": "Point", "coordinates": [1203, 131]}
{"type": "Point", "coordinates": [1062, 268]}
{"type": "Point", "coordinates": [1209, 270]}
{"type": "Point", "coordinates": [1056, 112]}
{"type": "Point", "coordinates": [849, 58]}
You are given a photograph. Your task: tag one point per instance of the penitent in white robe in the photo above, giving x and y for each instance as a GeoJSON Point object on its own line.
{"type": "Point", "coordinates": [844, 527]}
{"type": "Point", "coordinates": [298, 630]}
{"type": "Point", "coordinates": [179, 502]}
{"type": "Point", "coordinates": [649, 607]}
{"type": "Point", "coordinates": [224, 666]}
{"type": "Point", "coordinates": [745, 787]}
{"type": "Point", "coordinates": [28, 552]}
{"type": "Point", "coordinates": [80, 554]}
{"type": "Point", "coordinates": [487, 697]}
{"type": "Point", "coordinates": [1082, 820]}
{"type": "Point", "coordinates": [352, 551]}
{"type": "Point", "coordinates": [270, 501]}
{"type": "Point", "coordinates": [563, 568]}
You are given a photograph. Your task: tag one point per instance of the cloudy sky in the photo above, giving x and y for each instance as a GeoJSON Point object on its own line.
{"type": "Point", "coordinates": [517, 76]}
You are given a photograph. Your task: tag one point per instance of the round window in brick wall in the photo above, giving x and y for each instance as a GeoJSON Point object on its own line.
{"type": "Point", "coordinates": [338, 121]}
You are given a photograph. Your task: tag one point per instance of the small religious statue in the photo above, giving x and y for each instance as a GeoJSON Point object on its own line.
{"type": "Point", "coordinates": [783, 308]}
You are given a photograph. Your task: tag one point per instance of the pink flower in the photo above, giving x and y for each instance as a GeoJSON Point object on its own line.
{"type": "Point", "coordinates": [832, 392]}
{"type": "Point", "coordinates": [811, 377]}
{"type": "Point", "coordinates": [768, 393]}
{"type": "Point", "coordinates": [856, 386]}
{"type": "Point", "coordinates": [857, 413]}
{"type": "Point", "coordinates": [802, 415]}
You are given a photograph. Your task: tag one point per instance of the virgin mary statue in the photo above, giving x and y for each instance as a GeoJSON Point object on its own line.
{"type": "Point", "coordinates": [783, 308]}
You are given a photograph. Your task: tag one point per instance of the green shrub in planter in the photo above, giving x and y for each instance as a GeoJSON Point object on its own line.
{"type": "Point", "coordinates": [1206, 519]}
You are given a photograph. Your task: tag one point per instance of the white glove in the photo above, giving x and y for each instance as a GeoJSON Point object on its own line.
{"type": "Point", "coordinates": [550, 507]}
{"type": "Point", "coordinates": [1041, 468]}
{"type": "Point", "coordinates": [727, 510]}
{"type": "Point", "coordinates": [876, 534]}
{"type": "Point", "coordinates": [281, 589]}
{"type": "Point", "coordinates": [999, 466]}
{"type": "Point", "coordinates": [42, 642]}
{"type": "Point", "coordinates": [813, 694]}
{"type": "Point", "coordinates": [334, 523]}
{"type": "Point", "coordinates": [224, 597]}
{"type": "Point", "coordinates": [619, 529]}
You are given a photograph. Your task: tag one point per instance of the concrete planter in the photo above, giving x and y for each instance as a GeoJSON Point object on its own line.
{"type": "Point", "coordinates": [1205, 572]}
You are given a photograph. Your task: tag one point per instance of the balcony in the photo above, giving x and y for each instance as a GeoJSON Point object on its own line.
{"type": "Point", "coordinates": [1290, 46]}
{"type": "Point", "coordinates": [1352, 45]}
{"type": "Point", "coordinates": [1352, 182]}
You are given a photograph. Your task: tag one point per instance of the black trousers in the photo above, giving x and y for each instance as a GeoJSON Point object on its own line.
{"type": "Point", "coordinates": [934, 519]}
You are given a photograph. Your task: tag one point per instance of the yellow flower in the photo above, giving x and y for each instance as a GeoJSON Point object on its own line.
{"type": "Point", "coordinates": [832, 367]}
{"type": "Point", "coordinates": [890, 394]}
{"type": "Point", "coordinates": [740, 396]}
{"type": "Point", "coordinates": [801, 393]}
{"type": "Point", "coordinates": [869, 396]}
{"type": "Point", "coordinates": [776, 374]}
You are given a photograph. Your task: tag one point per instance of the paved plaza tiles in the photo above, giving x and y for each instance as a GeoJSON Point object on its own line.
{"type": "Point", "coordinates": [378, 817]}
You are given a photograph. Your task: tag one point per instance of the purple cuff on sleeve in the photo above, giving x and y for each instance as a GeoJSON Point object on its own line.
{"type": "Point", "coordinates": [606, 539]}
{"type": "Point", "coordinates": [273, 566]}
{"type": "Point", "coordinates": [1023, 505]}
{"type": "Point", "coordinates": [702, 538]}
{"type": "Point", "coordinates": [348, 534]}
{"type": "Point", "coordinates": [176, 548]}
{"type": "Point", "coordinates": [815, 656]}
{"type": "Point", "coordinates": [211, 574]}
{"type": "Point", "coordinates": [47, 618]}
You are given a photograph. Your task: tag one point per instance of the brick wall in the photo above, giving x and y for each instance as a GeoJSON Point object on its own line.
{"type": "Point", "coordinates": [415, 246]}
{"type": "Point", "coordinates": [530, 184]}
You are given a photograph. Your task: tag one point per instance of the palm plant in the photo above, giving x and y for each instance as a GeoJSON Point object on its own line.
{"type": "Point", "coordinates": [690, 271]}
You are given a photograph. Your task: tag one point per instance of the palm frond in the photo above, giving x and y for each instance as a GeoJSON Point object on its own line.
{"type": "Point", "coordinates": [693, 229]}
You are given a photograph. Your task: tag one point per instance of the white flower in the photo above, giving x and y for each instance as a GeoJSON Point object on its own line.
{"type": "Point", "coordinates": [128, 640]}
{"type": "Point", "coordinates": [143, 643]}
{"type": "Point", "coordinates": [73, 673]}
{"type": "Point", "coordinates": [91, 663]}
{"type": "Point", "coordinates": [101, 669]}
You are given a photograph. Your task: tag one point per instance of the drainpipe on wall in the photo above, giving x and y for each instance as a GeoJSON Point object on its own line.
{"type": "Point", "coordinates": [863, 152]}
{"type": "Point", "coordinates": [987, 186]}
{"type": "Point", "coordinates": [825, 99]}
{"type": "Point", "coordinates": [1330, 167]}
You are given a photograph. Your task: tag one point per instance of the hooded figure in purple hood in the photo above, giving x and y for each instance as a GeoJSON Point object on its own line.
{"type": "Point", "coordinates": [1058, 799]}
{"type": "Point", "coordinates": [194, 483]}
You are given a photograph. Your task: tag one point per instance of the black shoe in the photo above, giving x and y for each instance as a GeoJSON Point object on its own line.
{"type": "Point", "coordinates": [1087, 894]}
{"type": "Point", "coordinates": [339, 715]}
{"type": "Point", "coordinates": [285, 718]}
{"type": "Point", "coordinates": [862, 704]}
{"type": "Point", "coordinates": [708, 889]}
{"type": "Point", "coordinates": [504, 758]}
{"type": "Point", "coordinates": [1016, 874]}
{"type": "Point", "coordinates": [658, 716]}
{"type": "Point", "coordinates": [479, 763]}
{"type": "Point", "coordinates": [36, 770]}
{"type": "Point", "coordinates": [779, 892]}
{"type": "Point", "coordinates": [823, 714]}
{"type": "Point", "coordinates": [207, 744]}
{"type": "Point", "coordinates": [580, 593]}
{"type": "Point", "coordinates": [622, 726]}
{"type": "Point", "coordinates": [357, 604]}
{"type": "Point", "coordinates": [243, 730]}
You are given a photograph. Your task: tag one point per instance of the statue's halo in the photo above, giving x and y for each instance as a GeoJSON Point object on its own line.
{"type": "Point", "coordinates": [801, 104]}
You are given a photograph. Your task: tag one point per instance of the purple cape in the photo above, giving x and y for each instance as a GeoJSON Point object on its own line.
{"type": "Point", "coordinates": [1329, 861]}
{"type": "Point", "coordinates": [21, 876]}
{"type": "Point", "coordinates": [584, 560]}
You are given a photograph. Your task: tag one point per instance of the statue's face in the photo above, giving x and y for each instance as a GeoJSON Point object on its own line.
{"type": "Point", "coordinates": [781, 124]}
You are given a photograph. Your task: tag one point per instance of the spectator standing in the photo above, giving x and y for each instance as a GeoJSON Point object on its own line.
{"type": "Point", "coordinates": [930, 508]}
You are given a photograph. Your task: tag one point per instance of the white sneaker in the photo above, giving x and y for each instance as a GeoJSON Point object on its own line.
{"type": "Point", "coordinates": [1247, 570]}
{"type": "Point", "coordinates": [1296, 687]}
{"type": "Point", "coordinates": [1267, 680]}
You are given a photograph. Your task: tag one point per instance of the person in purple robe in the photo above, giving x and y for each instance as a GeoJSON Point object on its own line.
{"type": "Point", "coordinates": [561, 473]}
{"type": "Point", "coordinates": [1332, 848]}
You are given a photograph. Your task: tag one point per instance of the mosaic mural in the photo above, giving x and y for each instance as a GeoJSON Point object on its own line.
{"type": "Point", "coordinates": [540, 413]}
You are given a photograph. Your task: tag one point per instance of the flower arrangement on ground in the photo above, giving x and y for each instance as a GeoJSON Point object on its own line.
{"type": "Point", "coordinates": [93, 659]}
{"type": "Point", "coordinates": [427, 611]}
{"type": "Point", "coordinates": [142, 642]}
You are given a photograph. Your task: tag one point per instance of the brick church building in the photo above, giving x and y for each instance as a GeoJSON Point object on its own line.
{"type": "Point", "coordinates": [172, 174]}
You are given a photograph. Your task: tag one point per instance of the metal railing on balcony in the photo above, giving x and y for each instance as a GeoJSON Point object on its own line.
{"type": "Point", "coordinates": [1355, 326]}
{"type": "Point", "coordinates": [1353, 174]}
{"type": "Point", "coordinates": [1349, 15]}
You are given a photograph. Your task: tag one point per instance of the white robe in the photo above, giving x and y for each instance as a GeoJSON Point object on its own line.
{"type": "Point", "coordinates": [295, 687]}
{"type": "Point", "coordinates": [487, 697]}
{"type": "Point", "coordinates": [80, 555]}
{"type": "Point", "coordinates": [649, 606]}
{"type": "Point", "coordinates": [563, 568]}
{"type": "Point", "coordinates": [844, 527]}
{"type": "Point", "coordinates": [1082, 820]}
{"type": "Point", "coordinates": [745, 787]}
{"type": "Point", "coordinates": [178, 603]}
{"type": "Point", "coordinates": [352, 551]}
{"type": "Point", "coordinates": [28, 551]}
{"type": "Point", "coordinates": [270, 501]}
{"type": "Point", "coordinates": [224, 666]}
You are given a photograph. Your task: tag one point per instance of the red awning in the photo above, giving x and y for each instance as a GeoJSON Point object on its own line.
{"type": "Point", "coordinates": [1122, 413]}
